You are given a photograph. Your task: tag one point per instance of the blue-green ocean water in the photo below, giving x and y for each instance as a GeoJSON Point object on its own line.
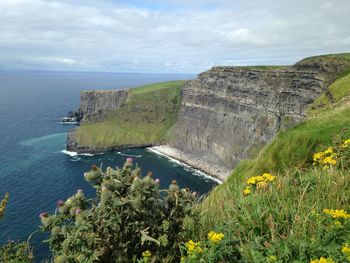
{"type": "Point", "coordinates": [33, 168]}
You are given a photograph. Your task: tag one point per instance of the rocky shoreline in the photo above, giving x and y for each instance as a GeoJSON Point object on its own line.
{"type": "Point", "coordinates": [216, 171]}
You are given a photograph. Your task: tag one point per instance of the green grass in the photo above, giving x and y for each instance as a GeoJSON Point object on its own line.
{"type": "Point", "coordinates": [145, 118]}
{"type": "Point", "coordinates": [337, 91]}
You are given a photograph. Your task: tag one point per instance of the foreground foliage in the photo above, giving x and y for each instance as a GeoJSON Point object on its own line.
{"type": "Point", "coordinates": [130, 220]}
{"type": "Point", "coordinates": [291, 214]}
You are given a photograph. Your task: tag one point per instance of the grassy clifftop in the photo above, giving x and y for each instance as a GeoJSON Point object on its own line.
{"type": "Point", "coordinates": [144, 119]}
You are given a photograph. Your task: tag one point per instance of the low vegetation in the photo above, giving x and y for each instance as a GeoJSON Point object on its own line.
{"type": "Point", "coordinates": [145, 118]}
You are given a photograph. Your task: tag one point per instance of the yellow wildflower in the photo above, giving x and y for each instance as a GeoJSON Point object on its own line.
{"type": "Point", "coordinates": [337, 223]}
{"type": "Point", "coordinates": [346, 250]}
{"type": "Point", "coordinates": [272, 258]}
{"type": "Point", "coordinates": [215, 237]}
{"type": "Point", "coordinates": [146, 254]}
{"type": "Point", "coordinates": [246, 191]}
{"type": "Point", "coordinates": [261, 185]}
{"type": "Point", "coordinates": [269, 177]}
{"type": "Point", "coordinates": [322, 260]}
{"type": "Point", "coordinates": [329, 161]}
{"type": "Point", "coordinates": [328, 151]}
{"type": "Point", "coordinates": [318, 156]}
{"type": "Point", "coordinates": [337, 213]}
{"type": "Point", "coordinates": [346, 143]}
{"type": "Point", "coordinates": [193, 247]}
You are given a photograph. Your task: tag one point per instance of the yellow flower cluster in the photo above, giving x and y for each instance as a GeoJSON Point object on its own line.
{"type": "Point", "coordinates": [272, 258]}
{"type": "Point", "coordinates": [346, 143]}
{"type": "Point", "coordinates": [266, 177]}
{"type": "Point", "coordinates": [326, 158]}
{"type": "Point", "coordinates": [322, 260]}
{"type": "Point", "coordinates": [193, 247]}
{"type": "Point", "coordinates": [146, 254]}
{"type": "Point", "coordinates": [346, 250]}
{"type": "Point", "coordinates": [337, 213]}
{"type": "Point", "coordinates": [215, 237]}
{"type": "Point", "coordinates": [260, 182]}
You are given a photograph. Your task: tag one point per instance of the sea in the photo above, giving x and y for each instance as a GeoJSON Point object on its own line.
{"type": "Point", "coordinates": [35, 169]}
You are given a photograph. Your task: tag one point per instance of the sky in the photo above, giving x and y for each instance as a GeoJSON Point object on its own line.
{"type": "Point", "coordinates": [167, 36]}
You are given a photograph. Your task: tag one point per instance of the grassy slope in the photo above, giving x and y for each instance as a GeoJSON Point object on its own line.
{"type": "Point", "coordinates": [279, 221]}
{"type": "Point", "coordinates": [145, 118]}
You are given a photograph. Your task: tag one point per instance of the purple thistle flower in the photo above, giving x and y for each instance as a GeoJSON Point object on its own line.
{"type": "Point", "coordinates": [60, 203]}
{"type": "Point", "coordinates": [129, 160]}
{"type": "Point", "coordinates": [43, 214]}
{"type": "Point", "coordinates": [77, 211]}
{"type": "Point", "coordinates": [80, 191]}
{"type": "Point", "coordinates": [157, 181]}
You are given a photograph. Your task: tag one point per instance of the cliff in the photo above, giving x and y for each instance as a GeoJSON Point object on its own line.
{"type": "Point", "coordinates": [228, 113]}
{"type": "Point", "coordinates": [94, 104]}
{"type": "Point", "coordinates": [114, 120]}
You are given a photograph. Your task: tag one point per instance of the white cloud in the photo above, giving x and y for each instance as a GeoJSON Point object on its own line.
{"type": "Point", "coordinates": [180, 36]}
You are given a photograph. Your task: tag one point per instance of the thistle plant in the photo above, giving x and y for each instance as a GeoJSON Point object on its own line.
{"type": "Point", "coordinates": [130, 220]}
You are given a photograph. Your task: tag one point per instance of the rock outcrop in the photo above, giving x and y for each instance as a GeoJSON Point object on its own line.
{"type": "Point", "coordinates": [229, 113]}
{"type": "Point", "coordinates": [94, 104]}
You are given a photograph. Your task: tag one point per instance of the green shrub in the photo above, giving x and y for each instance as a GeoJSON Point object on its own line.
{"type": "Point", "coordinates": [130, 220]}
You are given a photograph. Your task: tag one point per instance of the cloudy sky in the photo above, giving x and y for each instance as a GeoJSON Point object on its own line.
{"type": "Point", "coordinates": [167, 36]}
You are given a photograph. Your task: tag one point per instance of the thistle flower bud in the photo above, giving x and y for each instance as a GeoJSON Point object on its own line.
{"type": "Point", "coordinates": [94, 167]}
{"type": "Point", "coordinates": [129, 159]}
{"type": "Point", "coordinates": [80, 194]}
{"type": "Point", "coordinates": [157, 181]}
{"type": "Point", "coordinates": [43, 215]}
{"type": "Point", "coordinates": [60, 203]}
{"type": "Point", "coordinates": [77, 211]}
{"type": "Point", "coordinates": [60, 259]}
{"type": "Point", "coordinates": [72, 210]}
{"type": "Point", "coordinates": [56, 230]}
{"type": "Point", "coordinates": [174, 187]}
{"type": "Point", "coordinates": [69, 201]}
{"type": "Point", "coordinates": [46, 220]}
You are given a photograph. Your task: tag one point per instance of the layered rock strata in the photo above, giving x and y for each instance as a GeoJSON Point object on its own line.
{"type": "Point", "coordinates": [229, 113]}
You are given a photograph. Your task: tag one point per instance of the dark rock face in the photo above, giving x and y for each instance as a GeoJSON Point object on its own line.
{"type": "Point", "coordinates": [94, 104]}
{"type": "Point", "coordinates": [228, 113]}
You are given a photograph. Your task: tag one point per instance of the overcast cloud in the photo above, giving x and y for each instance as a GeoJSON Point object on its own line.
{"type": "Point", "coordinates": [175, 36]}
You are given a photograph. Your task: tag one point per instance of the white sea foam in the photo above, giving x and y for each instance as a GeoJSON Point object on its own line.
{"type": "Point", "coordinates": [129, 155]}
{"type": "Point", "coordinates": [187, 167]}
{"type": "Point", "coordinates": [71, 154]}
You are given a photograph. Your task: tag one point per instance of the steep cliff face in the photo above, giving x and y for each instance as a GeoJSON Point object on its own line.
{"type": "Point", "coordinates": [228, 113]}
{"type": "Point", "coordinates": [94, 104]}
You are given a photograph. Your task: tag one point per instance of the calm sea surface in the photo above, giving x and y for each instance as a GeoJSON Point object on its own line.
{"type": "Point", "coordinates": [33, 168]}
